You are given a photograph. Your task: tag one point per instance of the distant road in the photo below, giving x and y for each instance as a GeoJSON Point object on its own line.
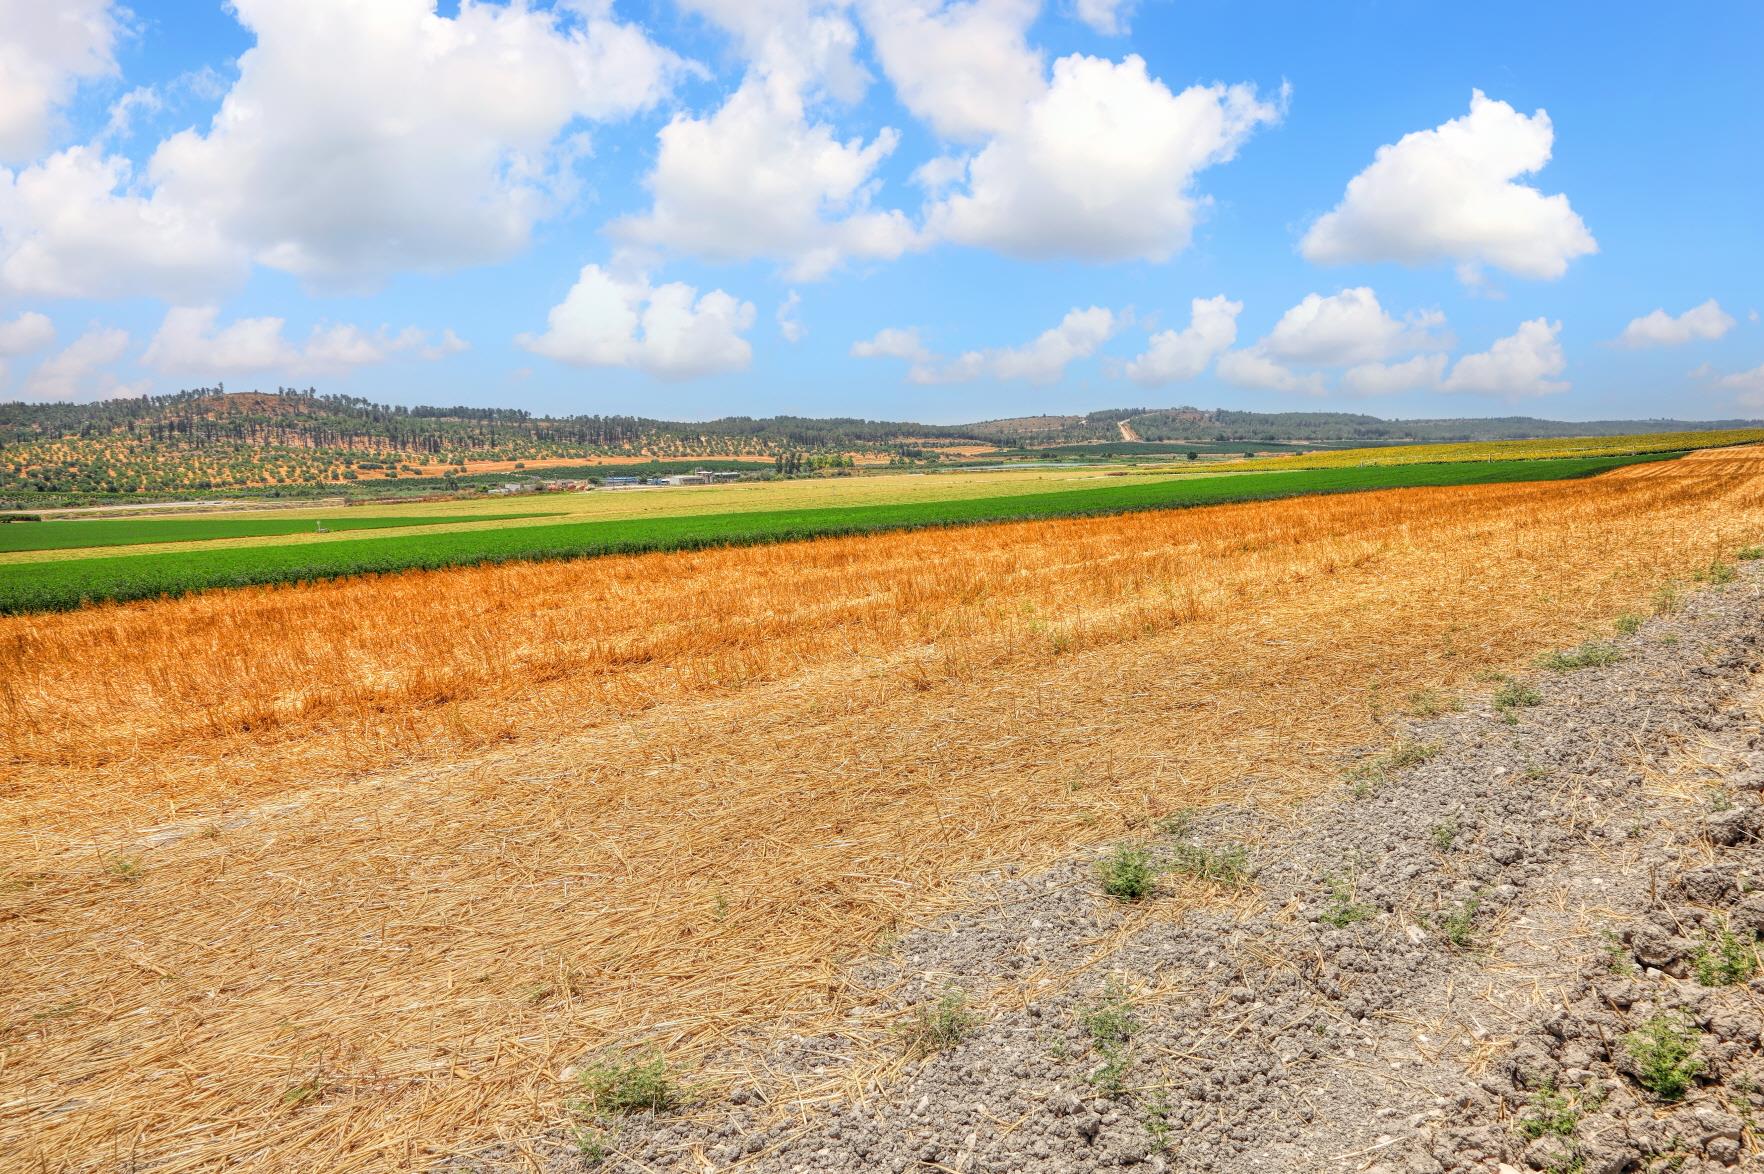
{"type": "Point", "coordinates": [1127, 432]}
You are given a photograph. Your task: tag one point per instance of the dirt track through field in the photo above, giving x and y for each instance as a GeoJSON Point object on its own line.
{"type": "Point", "coordinates": [340, 877]}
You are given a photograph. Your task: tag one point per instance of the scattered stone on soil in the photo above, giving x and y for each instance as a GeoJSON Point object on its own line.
{"type": "Point", "coordinates": [1525, 939]}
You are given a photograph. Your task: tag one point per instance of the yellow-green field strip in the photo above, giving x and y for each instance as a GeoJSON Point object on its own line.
{"type": "Point", "coordinates": [69, 583]}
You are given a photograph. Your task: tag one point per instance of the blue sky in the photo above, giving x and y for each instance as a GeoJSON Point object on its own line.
{"type": "Point", "coordinates": [603, 206]}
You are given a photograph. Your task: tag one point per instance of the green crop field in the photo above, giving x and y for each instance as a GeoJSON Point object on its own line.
{"type": "Point", "coordinates": [60, 585]}
{"type": "Point", "coordinates": [72, 535]}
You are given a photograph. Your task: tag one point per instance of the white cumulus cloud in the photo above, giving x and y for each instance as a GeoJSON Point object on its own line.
{"type": "Point", "coordinates": [47, 48]}
{"type": "Point", "coordinates": [892, 342]}
{"type": "Point", "coordinates": [1748, 384]}
{"type": "Point", "coordinates": [799, 45]}
{"type": "Point", "coordinates": [78, 371]}
{"type": "Point", "coordinates": [1345, 328]}
{"type": "Point", "coordinates": [1108, 17]}
{"type": "Point", "coordinates": [789, 325]}
{"type": "Point", "coordinates": [1452, 193]}
{"type": "Point", "coordinates": [1100, 167]}
{"type": "Point", "coordinates": [1042, 360]}
{"type": "Point", "coordinates": [966, 69]}
{"type": "Point", "coordinates": [1175, 355]}
{"type": "Point", "coordinates": [758, 179]}
{"type": "Point", "coordinates": [422, 141]}
{"type": "Point", "coordinates": [1707, 321]}
{"type": "Point", "coordinates": [1255, 371]}
{"type": "Point", "coordinates": [1419, 373]}
{"type": "Point", "coordinates": [360, 139]}
{"type": "Point", "coordinates": [620, 320]}
{"type": "Point", "coordinates": [25, 334]}
{"type": "Point", "coordinates": [65, 231]}
{"type": "Point", "coordinates": [1519, 366]}
{"type": "Point", "coordinates": [189, 342]}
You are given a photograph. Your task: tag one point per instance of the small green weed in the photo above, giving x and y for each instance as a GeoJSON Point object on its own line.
{"type": "Point", "coordinates": [1456, 925]}
{"type": "Point", "coordinates": [1628, 624]}
{"type": "Point", "coordinates": [1128, 873]}
{"type": "Point", "coordinates": [124, 868]}
{"type": "Point", "coordinates": [1618, 958]}
{"type": "Point", "coordinates": [1110, 1021]}
{"type": "Point", "coordinates": [1726, 959]}
{"type": "Point", "coordinates": [1110, 1077]}
{"type": "Point", "coordinates": [1433, 702]}
{"type": "Point", "coordinates": [1750, 554]}
{"type": "Point", "coordinates": [1223, 866]}
{"type": "Point", "coordinates": [1549, 1114]}
{"type": "Point", "coordinates": [1592, 654]}
{"type": "Point", "coordinates": [1445, 834]}
{"type": "Point", "coordinates": [936, 1027]}
{"type": "Point", "coordinates": [619, 1086]}
{"type": "Point", "coordinates": [1407, 753]}
{"type": "Point", "coordinates": [1514, 694]}
{"type": "Point", "coordinates": [1178, 825]}
{"type": "Point", "coordinates": [1343, 910]}
{"type": "Point", "coordinates": [1667, 599]}
{"type": "Point", "coordinates": [1717, 573]}
{"type": "Point", "coordinates": [1372, 773]}
{"type": "Point", "coordinates": [590, 1145]}
{"type": "Point", "coordinates": [1157, 1123]}
{"type": "Point", "coordinates": [1665, 1052]}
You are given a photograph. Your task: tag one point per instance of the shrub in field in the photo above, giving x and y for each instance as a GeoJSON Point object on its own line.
{"type": "Point", "coordinates": [939, 1026]}
{"type": "Point", "coordinates": [1511, 695]}
{"type": "Point", "coordinates": [1717, 573]}
{"type": "Point", "coordinates": [1726, 958]}
{"type": "Point", "coordinates": [618, 1086]}
{"type": "Point", "coordinates": [1219, 866]}
{"type": "Point", "coordinates": [1549, 1114]}
{"type": "Point", "coordinates": [1128, 874]}
{"type": "Point", "coordinates": [1592, 654]}
{"type": "Point", "coordinates": [1343, 909]}
{"type": "Point", "coordinates": [1110, 1020]}
{"type": "Point", "coordinates": [1456, 925]}
{"type": "Point", "coordinates": [1664, 1050]}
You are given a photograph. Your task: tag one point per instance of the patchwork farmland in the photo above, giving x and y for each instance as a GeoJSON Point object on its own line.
{"type": "Point", "coordinates": [379, 872]}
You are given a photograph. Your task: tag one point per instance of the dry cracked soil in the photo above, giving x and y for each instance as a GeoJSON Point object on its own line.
{"type": "Point", "coordinates": [1522, 937]}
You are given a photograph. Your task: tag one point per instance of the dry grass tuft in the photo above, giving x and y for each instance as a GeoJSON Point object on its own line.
{"type": "Point", "coordinates": [402, 850]}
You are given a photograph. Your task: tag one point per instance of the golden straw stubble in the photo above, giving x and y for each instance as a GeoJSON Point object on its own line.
{"type": "Point", "coordinates": [340, 877]}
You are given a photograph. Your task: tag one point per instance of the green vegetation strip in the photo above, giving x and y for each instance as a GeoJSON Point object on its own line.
{"type": "Point", "coordinates": [74, 535]}
{"type": "Point", "coordinates": [53, 586]}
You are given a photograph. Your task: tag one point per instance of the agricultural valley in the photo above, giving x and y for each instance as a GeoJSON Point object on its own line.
{"type": "Point", "coordinates": [349, 836]}
{"type": "Point", "coordinates": [881, 587]}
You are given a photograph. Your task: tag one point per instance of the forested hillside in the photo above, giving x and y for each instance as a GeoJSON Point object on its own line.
{"type": "Point", "coordinates": [209, 439]}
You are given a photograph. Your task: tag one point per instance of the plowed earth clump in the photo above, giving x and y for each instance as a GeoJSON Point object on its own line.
{"type": "Point", "coordinates": [1460, 961]}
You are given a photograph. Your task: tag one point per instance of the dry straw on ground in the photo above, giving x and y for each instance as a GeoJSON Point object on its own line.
{"type": "Point", "coordinates": [340, 877]}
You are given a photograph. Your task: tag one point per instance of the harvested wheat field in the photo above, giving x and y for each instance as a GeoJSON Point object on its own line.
{"type": "Point", "coordinates": [341, 877]}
